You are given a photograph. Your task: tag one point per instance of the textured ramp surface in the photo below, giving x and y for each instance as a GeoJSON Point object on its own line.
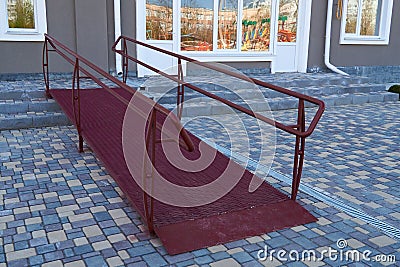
{"type": "Point", "coordinates": [238, 214]}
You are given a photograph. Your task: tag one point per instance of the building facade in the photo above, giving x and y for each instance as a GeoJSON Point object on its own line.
{"type": "Point", "coordinates": [276, 35]}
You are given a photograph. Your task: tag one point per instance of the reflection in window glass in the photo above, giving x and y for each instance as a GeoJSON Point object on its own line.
{"type": "Point", "coordinates": [197, 25]}
{"type": "Point", "coordinates": [256, 25]}
{"type": "Point", "coordinates": [351, 16]}
{"type": "Point", "coordinates": [287, 20]}
{"type": "Point", "coordinates": [368, 24]}
{"type": "Point", "coordinates": [227, 24]}
{"type": "Point", "coordinates": [21, 14]}
{"type": "Point", "coordinates": [370, 17]}
{"type": "Point", "coordinates": [159, 19]}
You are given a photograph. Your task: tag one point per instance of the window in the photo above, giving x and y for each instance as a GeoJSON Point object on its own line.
{"type": "Point", "coordinates": [22, 20]}
{"type": "Point", "coordinates": [159, 20]}
{"type": "Point", "coordinates": [226, 25]}
{"type": "Point", "coordinates": [287, 21]}
{"type": "Point", "coordinates": [197, 25]}
{"type": "Point", "coordinates": [366, 21]}
{"type": "Point", "coordinates": [256, 25]}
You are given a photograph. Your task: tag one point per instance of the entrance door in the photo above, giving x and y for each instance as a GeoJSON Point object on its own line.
{"type": "Point", "coordinates": [158, 17]}
{"type": "Point", "coordinates": [286, 52]}
{"type": "Point", "coordinates": [209, 30]}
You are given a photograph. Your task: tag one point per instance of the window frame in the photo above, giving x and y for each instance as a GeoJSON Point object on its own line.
{"type": "Point", "coordinates": [228, 53]}
{"type": "Point", "coordinates": [20, 34]}
{"type": "Point", "coordinates": [384, 26]}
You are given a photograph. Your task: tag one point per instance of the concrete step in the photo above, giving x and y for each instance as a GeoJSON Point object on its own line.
{"type": "Point", "coordinates": [21, 106]}
{"type": "Point", "coordinates": [32, 120]}
{"type": "Point", "coordinates": [287, 80]}
{"type": "Point", "coordinates": [336, 89]}
{"type": "Point", "coordinates": [20, 94]}
{"type": "Point", "coordinates": [23, 103]}
{"type": "Point", "coordinates": [26, 108]}
{"type": "Point", "coordinates": [211, 107]}
{"type": "Point", "coordinates": [248, 94]}
{"type": "Point", "coordinates": [376, 74]}
{"type": "Point", "coordinates": [311, 79]}
{"type": "Point", "coordinates": [332, 88]}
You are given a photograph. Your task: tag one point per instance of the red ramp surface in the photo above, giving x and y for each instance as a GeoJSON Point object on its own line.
{"type": "Point", "coordinates": [237, 215]}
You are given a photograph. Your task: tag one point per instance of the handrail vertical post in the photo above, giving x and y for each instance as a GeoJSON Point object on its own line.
{"type": "Point", "coordinates": [150, 140]}
{"type": "Point", "coordinates": [76, 102]}
{"type": "Point", "coordinates": [125, 62]}
{"type": "Point", "coordinates": [180, 91]}
{"type": "Point", "coordinates": [299, 150]}
{"type": "Point", "coordinates": [45, 67]}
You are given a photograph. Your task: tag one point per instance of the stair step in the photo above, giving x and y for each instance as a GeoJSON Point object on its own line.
{"type": "Point", "coordinates": [284, 80]}
{"type": "Point", "coordinates": [17, 106]}
{"type": "Point", "coordinates": [170, 97]}
{"type": "Point", "coordinates": [23, 103]}
{"type": "Point", "coordinates": [212, 107]}
{"type": "Point", "coordinates": [308, 80]}
{"type": "Point", "coordinates": [18, 94]}
{"type": "Point", "coordinates": [32, 120]}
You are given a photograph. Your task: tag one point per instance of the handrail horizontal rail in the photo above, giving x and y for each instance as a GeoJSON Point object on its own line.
{"type": "Point", "coordinates": [67, 53]}
{"type": "Point", "coordinates": [279, 125]}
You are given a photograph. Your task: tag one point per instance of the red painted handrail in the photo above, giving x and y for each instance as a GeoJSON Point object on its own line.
{"type": "Point", "coordinates": [287, 128]}
{"type": "Point", "coordinates": [299, 130]}
{"type": "Point", "coordinates": [83, 65]}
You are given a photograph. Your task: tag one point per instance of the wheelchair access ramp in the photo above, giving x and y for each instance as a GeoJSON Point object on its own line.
{"type": "Point", "coordinates": [100, 115]}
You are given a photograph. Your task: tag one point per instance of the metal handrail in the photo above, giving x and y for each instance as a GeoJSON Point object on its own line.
{"type": "Point", "coordinates": [299, 130]}
{"type": "Point", "coordinates": [287, 128]}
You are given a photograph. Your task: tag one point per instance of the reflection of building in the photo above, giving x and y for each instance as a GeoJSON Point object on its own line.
{"type": "Point", "coordinates": [193, 19]}
{"type": "Point", "coordinates": [227, 28]}
{"type": "Point", "coordinates": [158, 22]}
{"type": "Point", "coordinates": [198, 24]}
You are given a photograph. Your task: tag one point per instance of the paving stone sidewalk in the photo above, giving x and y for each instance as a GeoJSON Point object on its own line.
{"type": "Point", "coordinates": [59, 207]}
{"type": "Point", "coordinates": [353, 154]}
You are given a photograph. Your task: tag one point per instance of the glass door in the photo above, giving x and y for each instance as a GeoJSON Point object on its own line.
{"type": "Point", "coordinates": [196, 25]}
{"type": "Point", "coordinates": [256, 30]}
{"type": "Point", "coordinates": [286, 49]}
{"type": "Point", "coordinates": [158, 18]}
{"type": "Point", "coordinates": [221, 30]}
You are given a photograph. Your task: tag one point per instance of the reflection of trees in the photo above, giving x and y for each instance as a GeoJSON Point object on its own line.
{"type": "Point", "coordinates": [369, 16]}
{"type": "Point", "coordinates": [159, 20]}
{"type": "Point", "coordinates": [24, 16]}
{"type": "Point", "coordinates": [256, 25]}
{"type": "Point", "coordinates": [351, 16]}
{"type": "Point", "coordinates": [289, 8]}
{"type": "Point", "coordinates": [188, 9]}
{"type": "Point", "coordinates": [227, 24]}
